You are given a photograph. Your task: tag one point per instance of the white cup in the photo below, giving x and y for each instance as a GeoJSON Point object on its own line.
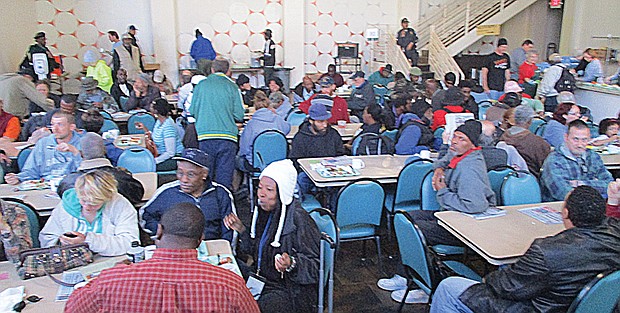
{"type": "Point", "coordinates": [148, 251]}
{"type": "Point", "coordinates": [342, 124]}
{"type": "Point", "coordinates": [425, 154]}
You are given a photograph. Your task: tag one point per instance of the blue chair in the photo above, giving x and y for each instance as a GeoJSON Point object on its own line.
{"type": "Point", "coordinates": [439, 133]}
{"type": "Point", "coordinates": [593, 129]}
{"type": "Point", "coordinates": [601, 295]}
{"type": "Point", "coordinates": [536, 122]}
{"type": "Point", "coordinates": [309, 202]}
{"type": "Point", "coordinates": [147, 119]}
{"type": "Point", "coordinates": [33, 219]}
{"type": "Point", "coordinates": [483, 106]}
{"type": "Point", "coordinates": [380, 93]}
{"type": "Point", "coordinates": [390, 134]}
{"type": "Point", "coordinates": [496, 178]}
{"type": "Point", "coordinates": [520, 187]}
{"type": "Point", "coordinates": [269, 146]}
{"type": "Point", "coordinates": [123, 103]}
{"type": "Point", "coordinates": [105, 115]}
{"type": "Point", "coordinates": [415, 258]}
{"type": "Point", "coordinates": [22, 156]}
{"type": "Point", "coordinates": [358, 212]}
{"type": "Point", "coordinates": [137, 160]}
{"type": "Point", "coordinates": [296, 118]}
{"type": "Point", "coordinates": [406, 197]}
{"type": "Point", "coordinates": [108, 125]}
{"type": "Point", "coordinates": [328, 227]}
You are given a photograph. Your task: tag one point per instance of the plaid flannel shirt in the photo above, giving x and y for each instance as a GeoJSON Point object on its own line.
{"type": "Point", "coordinates": [561, 167]}
{"type": "Point", "coordinates": [171, 281]}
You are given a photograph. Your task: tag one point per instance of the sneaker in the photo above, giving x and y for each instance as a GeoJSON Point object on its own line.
{"type": "Point", "coordinates": [395, 283]}
{"type": "Point", "coordinates": [414, 296]}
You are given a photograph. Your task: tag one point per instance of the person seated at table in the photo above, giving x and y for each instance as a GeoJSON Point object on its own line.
{"type": "Point", "coordinates": [284, 242]}
{"type": "Point", "coordinates": [594, 70]}
{"type": "Point", "coordinates": [335, 105]}
{"type": "Point", "coordinates": [572, 164]}
{"type": "Point", "coordinates": [532, 148]}
{"type": "Point", "coordinates": [315, 138]}
{"type": "Point", "coordinates": [608, 132]}
{"type": "Point", "coordinates": [14, 232]}
{"type": "Point", "coordinates": [165, 135]}
{"type": "Point", "coordinates": [413, 135]}
{"type": "Point", "coordinates": [362, 94]}
{"type": "Point", "coordinates": [173, 272]}
{"type": "Point", "coordinates": [193, 185]}
{"type": "Point", "coordinates": [382, 77]}
{"type": "Point", "coordinates": [94, 158]}
{"type": "Point", "coordinates": [613, 199]}
{"type": "Point", "coordinates": [305, 89]}
{"type": "Point", "coordinates": [99, 70]}
{"type": "Point", "coordinates": [247, 91]}
{"type": "Point", "coordinates": [331, 72]}
{"type": "Point", "coordinates": [37, 126]}
{"type": "Point", "coordinates": [93, 213]}
{"type": "Point", "coordinates": [566, 112]}
{"type": "Point", "coordinates": [452, 103]}
{"type": "Point", "coordinates": [143, 94]}
{"type": "Point", "coordinates": [93, 96]}
{"type": "Point", "coordinates": [278, 102]}
{"type": "Point", "coordinates": [394, 110]}
{"type": "Point", "coordinates": [613, 79]}
{"type": "Point", "coordinates": [275, 84]}
{"type": "Point", "coordinates": [466, 86]}
{"type": "Point", "coordinates": [552, 272]}
{"type": "Point", "coordinates": [121, 88]}
{"type": "Point", "coordinates": [263, 119]}
{"type": "Point", "coordinates": [43, 87]}
{"type": "Point", "coordinates": [372, 118]}
{"type": "Point", "coordinates": [57, 153]}
{"type": "Point", "coordinates": [162, 83]}
{"type": "Point", "coordinates": [524, 98]}
{"type": "Point", "coordinates": [9, 125]}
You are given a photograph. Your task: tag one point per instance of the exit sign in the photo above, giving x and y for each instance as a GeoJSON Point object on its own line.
{"type": "Point", "coordinates": [555, 4]}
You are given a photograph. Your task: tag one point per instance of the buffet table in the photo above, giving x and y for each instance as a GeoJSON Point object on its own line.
{"type": "Point", "coordinates": [603, 100]}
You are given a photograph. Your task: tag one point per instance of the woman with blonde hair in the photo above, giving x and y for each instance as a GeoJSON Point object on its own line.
{"type": "Point", "coordinates": [94, 213]}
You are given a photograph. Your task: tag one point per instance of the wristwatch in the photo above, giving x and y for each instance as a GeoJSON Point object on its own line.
{"type": "Point", "coordinates": [293, 264]}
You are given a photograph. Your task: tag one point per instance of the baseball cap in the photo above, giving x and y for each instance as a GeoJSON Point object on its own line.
{"type": "Point", "coordinates": [198, 157]}
{"type": "Point", "coordinates": [357, 74]}
{"type": "Point", "coordinates": [512, 86]}
{"type": "Point", "coordinates": [132, 27]}
{"type": "Point", "coordinates": [326, 81]}
{"type": "Point", "coordinates": [388, 68]}
{"type": "Point", "coordinates": [502, 42]}
{"type": "Point", "coordinates": [158, 76]}
{"type": "Point", "coordinates": [404, 20]}
{"type": "Point", "coordinates": [416, 71]}
{"type": "Point", "coordinates": [318, 112]}
{"type": "Point", "coordinates": [566, 97]}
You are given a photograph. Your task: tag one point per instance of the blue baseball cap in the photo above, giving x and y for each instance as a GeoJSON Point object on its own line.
{"type": "Point", "coordinates": [195, 156]}
{"type": "Point", "coordinates": [318, 112]}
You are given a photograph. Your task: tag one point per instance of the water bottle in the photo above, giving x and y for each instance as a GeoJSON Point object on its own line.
{"type": "Point", "coordinates": [135, 254]}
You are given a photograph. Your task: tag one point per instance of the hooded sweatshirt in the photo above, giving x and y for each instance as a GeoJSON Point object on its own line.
{"type": "Point", "coordinates": [262, 120]}
{"type": "Point", "coordinates": [17, 92]}
{"type": "Point", "coordinates": [111, 233]}
{"type": "Point", "coordinates": [532, 148]}
{"type": "Point", "coordinates": [307, 144]}
{"type": "Point", "coordinates": [409, 137]}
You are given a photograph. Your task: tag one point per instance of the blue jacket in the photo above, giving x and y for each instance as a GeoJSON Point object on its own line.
{"type": "Point", "coordinates": [409, 137]}
{"type": "Point", "coordinates": [216, 202]}
{"type": "Point", "coordinates": [202, 49]}
{"type": "Point", "coordinates": [44, 158]}
{"type": "Point", "coordinates": [262, 120]}
{"type": "Point", "coordinates": [554, 133]}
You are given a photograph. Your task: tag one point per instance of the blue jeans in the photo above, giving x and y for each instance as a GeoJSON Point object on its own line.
{"type": "Point", "coordinates": [446, 297]}
{"type": "Point", "coordinates": [222, 154]}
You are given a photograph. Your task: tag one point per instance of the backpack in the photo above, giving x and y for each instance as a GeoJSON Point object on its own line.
{"type": "Point", "coordinates": [426, 137]}
{"type": "Point", "coordinates": [373, 144]}
{"type": "Point", "coordinates": [566, 82]}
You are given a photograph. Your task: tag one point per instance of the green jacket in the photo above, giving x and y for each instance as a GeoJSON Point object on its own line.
{"type": "Point", "coordinates": [217, 105]}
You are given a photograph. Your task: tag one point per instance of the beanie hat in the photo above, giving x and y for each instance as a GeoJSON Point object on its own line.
{"type": "Point", "coordinates": [242, 79]}
{"type": "Point", "coordinates": [472, 129]}
{"type": "Point", "coordinates": [453, 97]}
{"type": "Point", "coordinates": [284, 174]}
{"type": "Point", "coordinates": [502, 42]}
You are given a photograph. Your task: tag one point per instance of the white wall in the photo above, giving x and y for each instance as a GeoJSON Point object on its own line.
{"type": "Point", "coordinates": [584, 19]}
{"type": "Point", "coordinates": [17, 26]}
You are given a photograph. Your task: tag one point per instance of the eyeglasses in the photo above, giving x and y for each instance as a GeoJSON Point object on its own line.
{"type": "Point", "coordinates": [18, 307]}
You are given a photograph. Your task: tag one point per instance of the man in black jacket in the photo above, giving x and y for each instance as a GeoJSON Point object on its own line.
{"type": "Point", "coordinates": [93, 157]}
{"type": "Point", "coordinates": [553, 270]}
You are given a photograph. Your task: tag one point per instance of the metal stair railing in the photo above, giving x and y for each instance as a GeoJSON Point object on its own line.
{"type": "Point", "coordinates": [439, 58]}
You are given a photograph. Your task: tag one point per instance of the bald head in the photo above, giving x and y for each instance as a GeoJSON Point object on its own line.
{"type": "Point", "coordinates": [181, 227]}
{"type": "Point", "coordinates": [488, 128]}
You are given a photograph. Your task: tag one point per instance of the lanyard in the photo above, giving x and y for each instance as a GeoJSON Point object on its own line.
{"type": "Point", "coordinates": [263, 241]}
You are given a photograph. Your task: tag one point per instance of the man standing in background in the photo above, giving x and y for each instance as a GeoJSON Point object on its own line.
{"type": "Point", "coordinates": [517, 57]}
{"type": "Point", "coordinates": [406, 38]}
{"type": "Point", "coordinates": [202, 52]}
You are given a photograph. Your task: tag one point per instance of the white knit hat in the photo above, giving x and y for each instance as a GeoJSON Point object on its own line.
{"type": "Point", "coordinates": [284, 174]}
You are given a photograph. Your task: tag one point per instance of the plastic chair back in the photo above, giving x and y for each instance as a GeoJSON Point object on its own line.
{"type": "Point", "coordinates": [360, 203]}
{"type": "Point", "coordinates": [428, 196]}
{"type": "Point", "coordinates": [380, 93]}
{"type": "Point", "coordinates": [22, 156]}
{"type": "Point", "coordinates": [269, 146]}
{"type": "Point", "coordinates": [409, 184]}
{"type": "Point", "coordinates": [520, 188]}
{"type": "Point", "coordinates": [123, 103]}
{"type": "Point", "coordinates": [147, 119]}
{"type": "Point", "coordinates": [540, 130]}
{"type": "Point", "coordinates": [412, 250]}
{"type": "Point", "coordinates": [496, 178]}
{"type": "Point", "coordinates": [105, 114]}
{"type": "Point", "coordinates": [137, 160]}
{"type": "Point", "coordinates": [108, 125]}
{"type": "Point", "coordinates": [494, 157]}
{"type": "Point", "coordinates": [326, 222]}
{"type": "Point", "coordinates": [390, 134]}
{"type": "Point", "coordinates": [536, 122]}
{"type": "Point", "coordinates": [33, 219]}
{"type": "Point", "coordinates": [600, 295]}
{"type": "Point", "coordinates": [483, 106]}
{"type": "Point", "coordinates": [296, 118]}
{"type": "Point", "coordinates": [439, 132]}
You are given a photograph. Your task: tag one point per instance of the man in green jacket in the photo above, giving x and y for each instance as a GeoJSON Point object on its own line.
{"type": "Point", "coordinates": [217, 105]}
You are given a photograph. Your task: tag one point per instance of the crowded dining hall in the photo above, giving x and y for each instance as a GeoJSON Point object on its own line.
{"type": "Point", "coordinates": [310, 156]}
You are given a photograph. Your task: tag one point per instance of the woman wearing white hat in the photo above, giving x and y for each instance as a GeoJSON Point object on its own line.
{"type": "Point", "coordinates": [284, 242]}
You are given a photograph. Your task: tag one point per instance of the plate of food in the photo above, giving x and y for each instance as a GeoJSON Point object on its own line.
{"type": "Point", "coordinates": [130, 141]}
{"type": "Point", "coordinates": [33, 185]}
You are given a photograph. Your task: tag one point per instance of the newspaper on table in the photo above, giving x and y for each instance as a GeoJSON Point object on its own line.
{"type": "Point", "coordinates": [489, 213]}
{"type": "Point", "coordinates": [454, 120]}
{"type": "Point", "coordinates": [72, 277]}
{"type": "Point", "coordinates": [544, 214]}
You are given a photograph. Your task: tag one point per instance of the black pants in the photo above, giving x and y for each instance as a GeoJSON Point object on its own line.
{"type": "Point", "coordinates": [432, 231]}
{"type": "Point", "coordinates": [413, 56]}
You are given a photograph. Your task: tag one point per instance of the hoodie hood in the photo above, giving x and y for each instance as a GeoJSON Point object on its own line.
{"type": "Point", "coordinates": [409, 116]}
{"type": "Point", "coordinates": [264, 115]}
{"type": "Point", "coordinates": [72, 206]}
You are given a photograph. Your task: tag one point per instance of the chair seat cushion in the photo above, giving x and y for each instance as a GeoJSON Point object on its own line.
{"type": "Point", "coordinates": [356, 231]}
{"type": "Point", "coordinates": [463, 270]}
{"type": "Point", "coordinates": [448, 250]}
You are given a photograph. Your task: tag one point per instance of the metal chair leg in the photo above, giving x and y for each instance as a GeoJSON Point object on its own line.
{"type": "Point", "coordinates": [379, 255]}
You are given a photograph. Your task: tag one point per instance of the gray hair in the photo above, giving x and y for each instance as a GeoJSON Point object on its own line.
{"type": "Point", "coordinates": [92, 146]}
{"type": "Point", "coordinates": [523, 114]}
{"type": "Point", "coordinates": [276, 97]}
{"type": "Point", "coordinates": [220, 65]}
{"type": "Point", "coordinates": [145, 78]}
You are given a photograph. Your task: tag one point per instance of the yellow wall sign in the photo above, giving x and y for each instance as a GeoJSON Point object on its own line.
{"type": "Point", "coordinates": [488, 30]}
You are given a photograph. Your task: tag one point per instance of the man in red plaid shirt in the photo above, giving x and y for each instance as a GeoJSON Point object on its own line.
{"type": "Point", "coordinates": [173, 280]}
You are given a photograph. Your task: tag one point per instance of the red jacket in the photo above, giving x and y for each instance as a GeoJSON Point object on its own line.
{"type": "Point", "coordinates": [439, 117]}
{"type": "Point", "coordinates": [339, 108]}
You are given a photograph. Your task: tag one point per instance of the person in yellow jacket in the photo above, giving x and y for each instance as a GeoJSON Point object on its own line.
{"type": "Point", "coordinates": [98, 70]}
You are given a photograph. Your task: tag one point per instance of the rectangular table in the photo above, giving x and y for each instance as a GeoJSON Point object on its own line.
{"type": "Point", "coordinates": [611, 161]}
{"type": "Point", "coordinates": [38, 199]}
{"type": "Point", "coordinates": [346, 133]}
{"type": "Point", "coordinates": [384, 168]}
{"type": "Point", "coordinates": [500, 240]}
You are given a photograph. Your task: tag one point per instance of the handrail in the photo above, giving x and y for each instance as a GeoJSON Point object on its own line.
{"type": "Point", "coordinates": [439, 58]}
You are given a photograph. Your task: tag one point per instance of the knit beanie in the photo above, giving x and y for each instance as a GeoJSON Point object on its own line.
{"type": "Point", "coordinates": [284, 174]}
{"type": "Point", "coordinates": [472, 129]}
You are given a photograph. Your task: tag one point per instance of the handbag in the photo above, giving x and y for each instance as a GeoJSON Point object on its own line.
{"type": "Point", "coordinates": [53, 260]}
